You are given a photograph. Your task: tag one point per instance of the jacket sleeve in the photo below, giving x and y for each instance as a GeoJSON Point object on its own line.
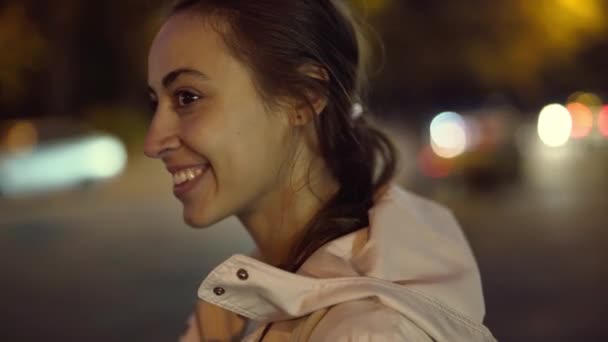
{"type": "Point", "coordinates": [366, 321]}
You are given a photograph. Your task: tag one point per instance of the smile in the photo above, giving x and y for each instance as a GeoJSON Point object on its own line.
{"type": "Point", "coordinates": [187, 175]}
{"type": "Point", "coordinates": [185, 179]}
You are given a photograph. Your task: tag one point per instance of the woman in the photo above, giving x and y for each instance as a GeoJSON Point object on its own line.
{"type": "Point", "coordinates": [253, 116]}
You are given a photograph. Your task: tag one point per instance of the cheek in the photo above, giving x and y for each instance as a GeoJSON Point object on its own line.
{"type": "Point", "coordinates": [203, 128]}
{"type": "Point", "coordinates": [245, 148]}
{"type": "Point", "coordinates": [255, 153]}
{"type": "Point", "coordinates": [230, 146]}
{"type": "Point", "coordinates": [198, 135]}
{"type": "Point", "coordinates": [248, 150]}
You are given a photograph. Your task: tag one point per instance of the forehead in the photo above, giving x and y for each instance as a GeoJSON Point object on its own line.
{"type": "Point", "coordinates": [186, 41]}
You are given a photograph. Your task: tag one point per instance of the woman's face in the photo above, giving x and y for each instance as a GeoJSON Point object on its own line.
{"type": "Point", "coordinates": [221, 145]}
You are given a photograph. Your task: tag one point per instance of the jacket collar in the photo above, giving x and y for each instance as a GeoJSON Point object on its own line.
{"type": "Point", "coordinates": [413, 257]}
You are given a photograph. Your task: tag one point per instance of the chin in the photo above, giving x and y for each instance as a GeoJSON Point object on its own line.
{"type": "Point", "coordinates": [199, 220]}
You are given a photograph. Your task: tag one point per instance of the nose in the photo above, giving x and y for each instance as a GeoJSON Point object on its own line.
{"type": "Point", "coordinates": [162, 136]}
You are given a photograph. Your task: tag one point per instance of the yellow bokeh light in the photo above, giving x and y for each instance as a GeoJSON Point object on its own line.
{"type": "Point", "coordinates": [590, 100]}
{"type": "Point", "coordinates": [21, 138]}
{"type": "Point", "coordinates": [584, 10]}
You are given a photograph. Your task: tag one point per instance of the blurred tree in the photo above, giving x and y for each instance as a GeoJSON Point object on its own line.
{"type": "Point", "coordinates": [23, 51]}
{"type": "Point", "coordinates": [481, 46]}
{"type": "Point", "coordinates": [537, 35]}
{"type": "Point", "coordinates": [59, 20]}
{"type": "Point", "coordinates": [90, 53]}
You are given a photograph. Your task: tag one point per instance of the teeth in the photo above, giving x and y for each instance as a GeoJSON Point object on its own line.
{"type": "Point", "coordinates": [183, 176]}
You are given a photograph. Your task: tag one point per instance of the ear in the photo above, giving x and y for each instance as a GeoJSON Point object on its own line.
{"type": "Point", "coordinates": [304, 114]}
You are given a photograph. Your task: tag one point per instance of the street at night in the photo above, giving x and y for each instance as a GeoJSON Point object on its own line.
{"type": "Point", "coordinates": [114, 262]}
{"type": "Point", "coordinates": [498, 110]}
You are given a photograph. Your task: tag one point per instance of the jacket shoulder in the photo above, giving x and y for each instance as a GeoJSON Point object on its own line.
{"type": "Point", "coordinates": [366, 320]}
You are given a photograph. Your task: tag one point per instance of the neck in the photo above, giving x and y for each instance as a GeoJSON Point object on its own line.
{"type": "Point", "coordinates": [279, 219]}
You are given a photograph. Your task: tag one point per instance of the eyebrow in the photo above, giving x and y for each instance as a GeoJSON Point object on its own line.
{"type": "Point", "coordinates": [175, 74]}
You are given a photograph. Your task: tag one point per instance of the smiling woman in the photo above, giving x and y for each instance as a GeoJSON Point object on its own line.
{"type": "Point", "coordinates": [257, 114]}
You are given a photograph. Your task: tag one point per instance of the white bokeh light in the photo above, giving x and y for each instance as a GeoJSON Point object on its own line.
{"type": "Point", "coordinates": [554, 125]}
{"type": "Point", "coordinates": [448, 135]}
{"type": "Point", "coordinates": [106, 157]}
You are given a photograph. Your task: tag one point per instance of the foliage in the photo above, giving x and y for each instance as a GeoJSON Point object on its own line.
{"type": "Point", "coordinates": [23, 51]}
{"type": "Point", "coordinates": [500, 43]}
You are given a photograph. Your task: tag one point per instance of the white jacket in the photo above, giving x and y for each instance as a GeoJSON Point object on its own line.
{"type": "Point", "coordinates": [409, 276]}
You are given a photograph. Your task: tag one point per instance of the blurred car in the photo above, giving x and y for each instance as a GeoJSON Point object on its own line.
{"type": "Point", "coordinates": [46, 155]}
{"type": "Point", "coordinates": [477, 149]}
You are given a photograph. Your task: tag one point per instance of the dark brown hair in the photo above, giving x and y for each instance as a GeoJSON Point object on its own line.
{"type": "Point", "coordinates": [275, 38]}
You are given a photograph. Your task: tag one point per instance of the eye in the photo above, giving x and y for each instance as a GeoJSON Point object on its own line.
{"type": "Point", "coordinates": [184, 98]}
{"type": "Point", "coordinates": [152, 101]}
{"type": "Point", "coordinates": [153, 104]}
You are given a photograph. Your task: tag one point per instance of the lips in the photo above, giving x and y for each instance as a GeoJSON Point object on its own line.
{"type": "Point", "coordinates": [187, 175]}
{"type": "Point", "coordinates": [185, 178]}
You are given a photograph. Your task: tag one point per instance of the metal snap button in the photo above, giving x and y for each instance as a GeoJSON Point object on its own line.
{"type": "Point", "coordinates": [242, 274]}
{"type": "Point", "coordinates": [219, 291]}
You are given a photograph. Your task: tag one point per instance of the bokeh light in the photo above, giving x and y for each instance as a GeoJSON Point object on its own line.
{"type": "Point", "coordinates": [22, 137]}
{"type": "Point", "coordinates": [602, 121]}
{"type": "Point", "coordinates": [63, 164]}
{"type": "Point", "coordinates": [590, 100]}
{"type": "Point", "coordinates": [107, 156]}
{"type": "Point", "coordinates": [432, 165]}
{"type": "Point", "coordinates": [448, 135]}
{"type": "Point", "coordinates": [582, 120]}
{"type": "Point", "coordinates": [554, 125]}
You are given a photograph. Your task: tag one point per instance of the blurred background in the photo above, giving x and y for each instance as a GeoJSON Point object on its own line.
{"type": "Point", "coordinates": [498, 109]}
